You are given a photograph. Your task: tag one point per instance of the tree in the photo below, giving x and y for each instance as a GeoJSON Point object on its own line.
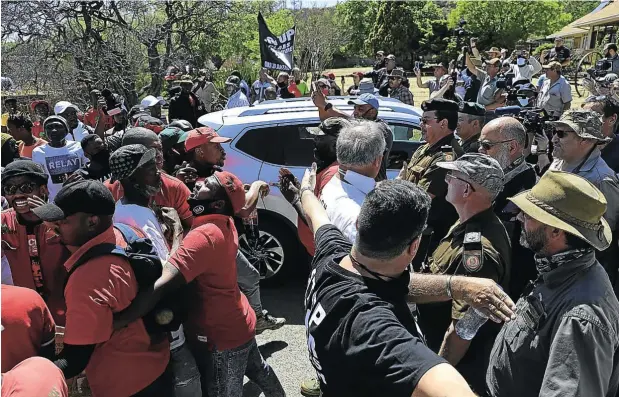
{"type": "Point", "coordinates": [578, 8]}
{"type": "Point", "coordinates": [357, 18]}
{"type": "Point", "coordinates": [503, 23]}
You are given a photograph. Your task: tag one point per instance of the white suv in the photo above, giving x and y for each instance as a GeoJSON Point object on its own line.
{"type": "Point", "coordinates": [274, 134]}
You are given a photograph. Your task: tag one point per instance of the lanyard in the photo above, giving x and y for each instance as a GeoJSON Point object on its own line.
{"type": "Point", "coordinates": [35, 261]}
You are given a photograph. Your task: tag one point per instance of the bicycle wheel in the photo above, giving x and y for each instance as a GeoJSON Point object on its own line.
{"type": "Point", "coordinates": [586, 62]}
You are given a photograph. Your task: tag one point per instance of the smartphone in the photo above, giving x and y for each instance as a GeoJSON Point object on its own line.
{"type": "Point", "coordinates": [113, 112]}
{"type": "Point", "coordinates": [416, 65]}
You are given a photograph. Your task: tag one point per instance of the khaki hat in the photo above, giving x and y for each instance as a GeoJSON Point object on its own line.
{"type": "Point", "coordinates": [493, 49]}
{"type": "Point", "coordinates": [585, 123]}
{"type": "Point", "coordinates": [570, 203]}
{"type": "Point", "coordinates": [396, 73]}
{"type": "Point", "coordinates": [185, 79]}
{"type": "Point", "coordinates": [554, 65]}
{"type": "Point", "coordinates": [480, 168]}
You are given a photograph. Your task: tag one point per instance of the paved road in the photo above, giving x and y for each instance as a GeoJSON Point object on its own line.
{"type": "Point", "coordinates": [285, 349]}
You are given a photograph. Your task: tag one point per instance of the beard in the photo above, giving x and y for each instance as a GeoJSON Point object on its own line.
{"type": "Point", "coordinates": [534, 240]}
{"type": "Point", "coordinates": [503, 157]}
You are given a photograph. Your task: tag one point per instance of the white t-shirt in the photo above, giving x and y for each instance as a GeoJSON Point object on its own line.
{"type": "Point", "coordinates": [79, 132]}
{"type": "Point", "coordinates": [144, 218]}
{"type": "Point", "coordinates": [342, 198]}
{"type": "Point", "coordinates": [59, 163]}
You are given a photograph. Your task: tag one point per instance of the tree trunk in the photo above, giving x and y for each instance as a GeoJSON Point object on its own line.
{"type": "Point", "coordinates": [154, 66]}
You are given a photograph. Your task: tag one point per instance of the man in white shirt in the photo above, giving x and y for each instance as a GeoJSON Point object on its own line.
{"type": "Point", "coordinates": [60, 157]}
{"type": "Point", "coordinates": [526, 67]}
{"type": "Point", "coordinates": [236, 96]}
{"type": "Point", "coordinates": [360, 148]}
{"type": "Point", "coordinates": [78, 130]}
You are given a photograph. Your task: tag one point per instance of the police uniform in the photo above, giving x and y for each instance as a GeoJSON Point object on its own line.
{"type": "Point", "coordinates": [477, 247]}
{"type": "Point", "coordinates": [471, 145]}
{"type": "Point", "coordinates": [423, 171]}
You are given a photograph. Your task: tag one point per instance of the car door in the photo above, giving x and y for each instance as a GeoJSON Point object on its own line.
{"type": "Point", "coordinates": [406, 139]}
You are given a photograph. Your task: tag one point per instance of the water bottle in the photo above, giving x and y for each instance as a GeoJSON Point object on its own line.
{"type": "Point", "coordinates": [252, 233]}
{"type": "Point", "coordinates": [471, 323]}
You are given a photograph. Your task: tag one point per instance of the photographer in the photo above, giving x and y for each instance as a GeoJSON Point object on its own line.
{"type": "Point", "coordinates": [555, 96]}
{"type": "Point", "coordinates": [489, 95]}
{"type": "Point", "coordinates": [610, 52]}
{"type": "Point", "coordinates": [440, 70]}
{"type": "Point", "coordinates": [524, 66]}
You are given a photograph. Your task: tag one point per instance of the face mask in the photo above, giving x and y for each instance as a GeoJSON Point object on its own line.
{"type": "Point", "coordinates": [102, 157]}
{"type": "Point", "coordinates": [282, 84]}
{"type": "Point", "coordinates": [521, 61]}
{"type": "Point", "coordinates": [325, 91]}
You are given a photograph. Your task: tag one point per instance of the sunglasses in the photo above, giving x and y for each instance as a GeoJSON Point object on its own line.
{"type": "Point", "coordinates": [452, 176]}
{"type": "Point", "coordinates": [560, 133]}
{"type": "Point", "coordinates": [26, 188]}
{"type": "Point", "coordinates": [487, 145]}
{"type": "Point", "coordinates": [424, 120]}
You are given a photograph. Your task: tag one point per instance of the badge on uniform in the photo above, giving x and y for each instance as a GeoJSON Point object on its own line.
{"type": "Point", "coordinates": [472, 254]}
{"type": "Point", "coordinates": [449, 157]}
{"type": "Point", "coordinates": [448, 152]}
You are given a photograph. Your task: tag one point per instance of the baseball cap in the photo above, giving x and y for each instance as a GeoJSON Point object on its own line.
{"type": "Point", "coordinates": [380, 52]}
{"type": "Point", "coordinates": [202, 135]}
{"type": "Point", "coordinates": [233, 80]}
{"type": "Point", "coordinates": [61, 106]}
{"type": "Point", "coordinates": [479, 168]}
{"type": "Point", "coordinates": [331, 126]}
{"type": "Point", "coordinates": [171, 136]}
{"type": "Point", "coordinates": [365, 99]}
{"type": "Point", "coordinates": [182, 124]}
{"type": "Point", "coordinates": [554, 65]}
{"type": "Point", "coordinates": [331, 75]}
{"type": "Point", "coordinates": [234, 189]}
{"type": "Point", "coordinates": [88, 196]}
{"type": "Point", "coordinates": [151, 100]}
{"type": "Point", "coordinates": [390, 56]}
{"type": "Point", "coordinates": [585, 123]}
{"type": "Point", "coordinates": [127, 159]}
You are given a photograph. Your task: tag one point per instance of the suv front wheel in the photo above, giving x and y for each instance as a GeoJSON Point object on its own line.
{"type": "Point", "coordinates": [275, 250]}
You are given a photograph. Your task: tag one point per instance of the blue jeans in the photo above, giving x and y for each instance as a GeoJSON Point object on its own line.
{"type": "Point", "coordinates": [248, 279]}
{"type": "Point", "coordinates": [184, 370]}
{"type": "Point", "coordinates": [222, 371]}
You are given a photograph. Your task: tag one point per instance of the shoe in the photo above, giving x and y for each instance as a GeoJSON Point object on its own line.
{"type": "Point", "coordinates": [265, 321]}
{"type": "Point", "coordinates": [310, 387]}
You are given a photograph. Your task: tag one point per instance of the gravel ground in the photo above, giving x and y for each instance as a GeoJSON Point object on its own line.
{"type": "Point", "coordinates": [285, 349]}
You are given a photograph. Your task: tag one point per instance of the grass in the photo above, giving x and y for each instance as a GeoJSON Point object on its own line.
{"type": "Point", "coordinates": [421, 94]}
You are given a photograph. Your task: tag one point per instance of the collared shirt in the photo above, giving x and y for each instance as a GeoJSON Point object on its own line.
{"type": "Point", "coordinates": [207, 94]}
{"type": "Point", "coordinates": [124, 361]}
{"type": "Point", "coordinates": [342, 198]}
{"type": "Point", "coordinates": [488, 89]}
{"type": "Point", "coordinates": [610, 153]}
{"type": "Point", "coordinates": [403, 94]}
{"type": "Point", "coordinates": [220, 314]}
{"type": "Point", "coordinates": [564, 339]}
{"type": "Point", "coordinates": [238, 99]}
{"type": "Point", "coordinates": [51, 253]}
{"type": "Point", "coordinates": [553, 96]}
{"type": "Point", "coordinates": [596, 171]}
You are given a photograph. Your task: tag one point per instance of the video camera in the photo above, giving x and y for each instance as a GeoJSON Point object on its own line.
{"type": "Point", "coordinates": [520, 93]}
{"type": "Point", "coordinates": [601, 69]}
{"type": "Point", "coordinates": [460, 31]}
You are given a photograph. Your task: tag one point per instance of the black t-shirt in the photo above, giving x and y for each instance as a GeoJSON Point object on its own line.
{"type": "Point", "coordinates": [95, 171]}
{"type": "Point", "coordinates": [362, 337]}
{"type": "Point", "coordinates": [560, 53]}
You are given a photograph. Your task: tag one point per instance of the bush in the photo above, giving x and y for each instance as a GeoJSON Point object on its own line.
{"type": "Point", "coordinates": [547, 46]}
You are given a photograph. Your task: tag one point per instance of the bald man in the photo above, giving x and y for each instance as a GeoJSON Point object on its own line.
{"type": "Point", "coordinates": [504, 139]}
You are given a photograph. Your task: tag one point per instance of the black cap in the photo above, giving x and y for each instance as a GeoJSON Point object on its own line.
{"type": "Point", "coordinates": [24, 168]}
{"type": "Point", "coordinates": [472, 108]}
{"type": "Point", "coordinates": [88, 196]}
{"type": "Point", "coordinates": [439, 104]}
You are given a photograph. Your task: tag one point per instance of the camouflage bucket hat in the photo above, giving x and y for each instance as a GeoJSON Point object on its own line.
{"type": "Point", "coordinates": [570, 203]}
{"type": "Point", "coordinates": [479, 168]}
{"type": "Point", "coordinates": [585, 123]}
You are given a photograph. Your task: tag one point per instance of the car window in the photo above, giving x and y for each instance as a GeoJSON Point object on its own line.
{"type": "Point", "coordinates": [289, 145]}
{"type": "Point", "coordinates": [403, 132]}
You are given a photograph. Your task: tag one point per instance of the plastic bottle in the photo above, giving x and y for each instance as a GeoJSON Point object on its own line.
{"type": "Point", "coordinates": [252, 233]}
{"type": "Point", "coordinates": [471, 323]}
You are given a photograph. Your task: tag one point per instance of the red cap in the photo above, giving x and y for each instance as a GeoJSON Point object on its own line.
{"type": "Point", "coordinates": [360, 74]}
{"type": "Point", "coordinates": [331, 75]}
{"type": "Point", "coordinates": [234, 189]}
{"type": "Point", "coordinates": [202, 135]}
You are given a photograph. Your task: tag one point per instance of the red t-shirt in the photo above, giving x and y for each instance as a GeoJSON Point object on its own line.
{"type": "Point", "coordinates": [173, 193]}
{"type": "Point", "coordinates": [92, 115]}
{"type": "Point", "coordinates": [27, 325]}
{"type": "Point", "coordinates": [26, 151]}
{"type": "Point", "coordinates": [124, 362]}
{"type": "Point", "coordinates": [34, 377]}
{"type": "Point", "coordinates": [219, 313]}
{"type": "Point", "coordinates": [37, 129]}
{"type": "Point", "coordinates": [305, 234]}
{"type": "Point", "coordinates": [52, 255]}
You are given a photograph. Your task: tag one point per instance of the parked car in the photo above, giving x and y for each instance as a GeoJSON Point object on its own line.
{"type": "Point", "coordinates": [275, 134]}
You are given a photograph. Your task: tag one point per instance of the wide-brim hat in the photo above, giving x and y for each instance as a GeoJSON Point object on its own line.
{"type": "Point", "coordinates": [570, 203]}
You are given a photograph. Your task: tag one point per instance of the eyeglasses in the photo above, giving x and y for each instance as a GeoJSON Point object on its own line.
{"type": "Point", "coordinates": [487, 145]}
{"type": "Point", "coordinates": [560, 133]}
{"type": "Point", "coordinates": [424, 120]}
{"type": "Point", "coordinates": [26, 188]}
{"type": "Point", "coordinates": [452, 176]}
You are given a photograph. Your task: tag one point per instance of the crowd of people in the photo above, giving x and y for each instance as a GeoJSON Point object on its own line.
{"type": "Point", "coordinates": [121, 260]}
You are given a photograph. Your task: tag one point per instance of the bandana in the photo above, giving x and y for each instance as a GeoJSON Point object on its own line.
{"type": "Point", "coordinates": [546, 264]}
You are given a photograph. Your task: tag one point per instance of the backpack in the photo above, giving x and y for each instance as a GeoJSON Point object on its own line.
{"type": "Point", "coordinates": [147, 267]}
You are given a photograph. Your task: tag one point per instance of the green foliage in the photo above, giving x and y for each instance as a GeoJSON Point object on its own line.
{"type": "Point", "coordinates": [578, 8]}
{"type": "Point", "coordinates": [395, 29]}
{"type": "Point", "coordinates": [503, 23]}
{"type": "Point", "coordinates": [545, 46]}
{"type": "Point", "coordinates": [358, 18]}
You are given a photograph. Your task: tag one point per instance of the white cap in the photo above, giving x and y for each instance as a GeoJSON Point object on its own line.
{"type": "Point", "coordinates": [61, 106]}
{"type": "Point", "coordinates": [151, 101]}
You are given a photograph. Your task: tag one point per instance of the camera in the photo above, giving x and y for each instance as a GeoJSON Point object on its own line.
{"type": "Point", "coordinates": [601, 69]}
{"type": "Point", "coordinates": [504, 80]}
{"type": "Point", "coordinates": [460, 31]}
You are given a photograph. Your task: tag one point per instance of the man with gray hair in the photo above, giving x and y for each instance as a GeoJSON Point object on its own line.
{"type": "Point", "coordinates": [504, 139]}
{"type": "Point", "coordinates": [359, 148]}
{"type": "Point", "coordinates": [476, 245]}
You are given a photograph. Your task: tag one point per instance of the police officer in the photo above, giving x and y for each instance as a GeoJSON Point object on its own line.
{"type": "Point", "coordinates": [438, 122]}
{"type": "Point", "coordinates": [471, 117]}
{"type": "Point", "coordinates": [477, 245]}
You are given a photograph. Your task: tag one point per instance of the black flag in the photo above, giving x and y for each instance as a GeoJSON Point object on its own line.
{"type": "Point", "coordinates": [276, 52]}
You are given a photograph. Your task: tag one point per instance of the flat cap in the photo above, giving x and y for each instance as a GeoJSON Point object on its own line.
{"type": "Point", "coordinates": [472, 108]}
{"type": "Point", "coordinates": [439, 104]}
{"type": "Point", "coordinates": [479, 168]}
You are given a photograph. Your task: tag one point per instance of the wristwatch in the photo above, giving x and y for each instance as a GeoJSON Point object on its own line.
{"type": "Point", "coordinates": [328, 106]}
